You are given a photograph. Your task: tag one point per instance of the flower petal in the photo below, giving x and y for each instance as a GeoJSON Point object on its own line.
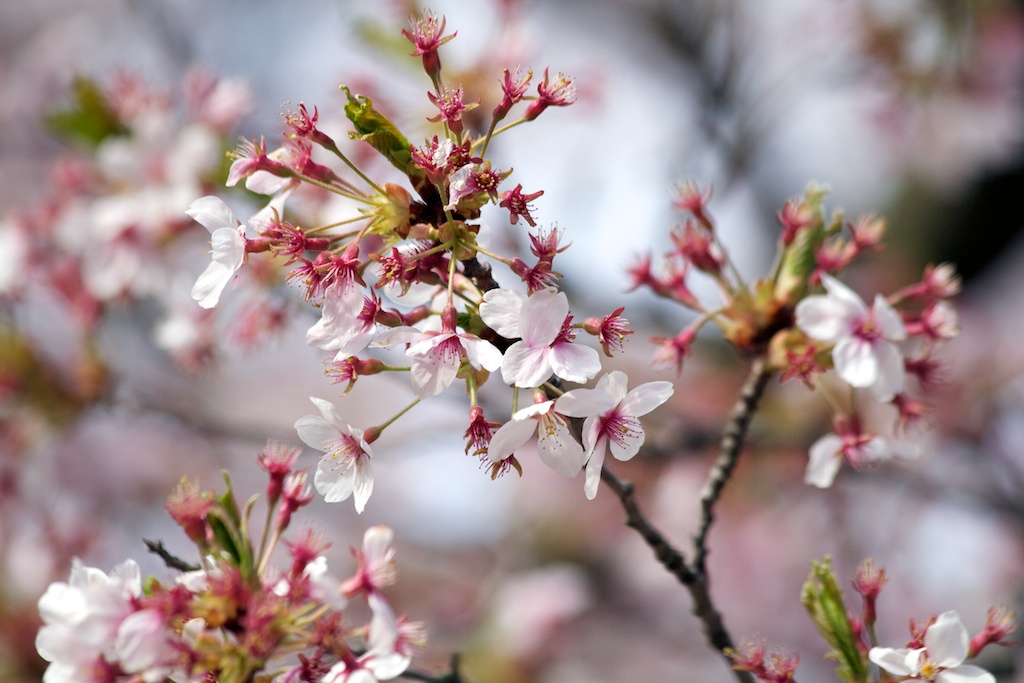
{"type": "Point", "coordinates": [614, 383]}
{"type": "Point", "coordinates": [574, 362]}
{"type": "Point", "coordinates": [823, 466]}
{"type": "Point", "coordinates": [584, 402]}
{"type": "Point", "coordinates": [557, 448]}
{"type": "Point", "coordinates": [825, 318]}
{"type": "Point", "coordinates": [315, 432]}
{"type": "Point", "coordinates": [526, 367]}
{"type": "Point", "coordinates": [211, 283]}
{"type": "Point", "coordinates": [891, 371]}
{"type": "Point", "coordinates": [481, 353]}
{"type": "Point", "coordinates": [893, 661]}
{"type": "Point", "coordinates": [966, 673]}
{"type": "Point", "coordinates": [501, 311]}
{"type": "Point", "coordinates": [947, 640]}
{"type": "Point", "coordinates": [888, 321]}
{"type": "Point", "coordinates": [212, 213]}
{"type": "Point", "coordinates": [334, 480]}
{"type": "Point", "coordinates": [362, 483]}
{"type": "Point", "coordinates": [594, 465]}
{"type": "Point", "coordinates": [510, 436]}
{"type": "Point", "coordinates": [542, 317]}
{"type": "Point", "coordinates": [645, 398]}
{"type": "Point", "coordinates": [856, 362]}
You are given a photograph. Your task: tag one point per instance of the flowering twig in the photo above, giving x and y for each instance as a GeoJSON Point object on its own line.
{"type": "Point", "coordinates": [173, 562]}
{"type": "Point", "coordinates": [733, 436]}
{"type": "Point", "coordinates": [693, 575]}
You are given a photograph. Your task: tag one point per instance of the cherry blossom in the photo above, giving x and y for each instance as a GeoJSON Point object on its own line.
{"type": "Point", "coordinates": [616, 428]}
{"type": "Point", "coordinates": [865, 352]}
{"type": "Point", "coordinates": [555, 444]}
{"type": "Point", "coordinates": [347, 323]}
{"type": "Point", "coordinates": [828, 452]}
{"type": "Point", "coordinates": [941, 659]}
{"type": "Point", "coordinates": [545, 344]}
{"type": "Point", "coordinates": [437, 356]}
{"type": "Point", "coordinates": [227, 239]}
{"type": "Point", "coordinates": [383, 659]}
{"type": "Point", "coordinates": [344, 469]}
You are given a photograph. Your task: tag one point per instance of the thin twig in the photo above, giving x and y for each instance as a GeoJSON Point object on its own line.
{"type": "Point", "coordinates": [157, 548]}
{"type": "Point", "coordinates": [733, 437]}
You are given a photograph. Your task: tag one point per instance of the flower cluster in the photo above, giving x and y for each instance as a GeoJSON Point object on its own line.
{"type": "Point", "coordinates": [235, 615]}
{"type": "Point", "coordinates": [405, 282]}
{"type": "Point", "coordinates": [873, 350]}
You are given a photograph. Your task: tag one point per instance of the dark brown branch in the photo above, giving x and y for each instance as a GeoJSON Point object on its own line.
{"type": "Point", "coordinates": [733, 437]}
{"type": "Point", "coordinates": [694, 575]}
{"type": "Point", "coordinates": [157, 548]}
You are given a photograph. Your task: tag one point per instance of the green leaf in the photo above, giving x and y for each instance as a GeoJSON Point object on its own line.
{"type": "Point", "coordinates": [90, 119]}
{"type": "Point", "coordinates": [823, 599]}
{"type": "Point", "coordinates": [374, 128]}
{"type": "Point", "coordinates": [229, 530]}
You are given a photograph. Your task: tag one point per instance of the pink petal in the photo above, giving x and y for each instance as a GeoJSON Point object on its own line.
{"type": "Point", "coordinates": [614, 384]}
{"type": "Point", "coordinates": [584, 402]}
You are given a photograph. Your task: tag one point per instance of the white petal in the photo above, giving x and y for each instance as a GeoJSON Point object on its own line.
{"type": "Point", "coordinates": [433, 372]}
{"type": "Point", "coordinates": [614, 383]}
{"type": "Point", "coordinates": [526, 367]}
{"type": "Point", "coordinates": [501, 310]}
{"type": "Point", "coordinates": [211, 283]}
{"type": "Point", "coordinates": [947, 641]}
{"type": "Point", "coordinates": [227, 246]}
{"type": "Point", "coordinates": [481, 353]}
{"type": "Point", "coordinates": [893, 661]}
{"type": "Point", "coordinates": [574, 362]}
{"type": "Point", "coordinates": [856, 362]}
{"type": "Point", "coordinates": [329, 412]}
{"type": "Point", "coordinates": [627, 444]}
{"type": "Point", "coordinates": [824, 463]}
{"type": "Point", "coordinates": [888, 321]}
{"type": "Point", "coordinates": [891, 371]}
{"type": "Point", "coordinates": [212, 213]}
{"type": "Point", "coordinates": [825, 318]}
{"type": "Point", "coordinates": [542, 317]}
{"type": "Point", "coordinates": [362, 482]}
{"type": "Point", "coordinates": [558, 449]}
{"type": "Point", "coordinates": [966, 673]}
{"type": "Point", "coordinates": [334, 480]}
{"type": "Point", "coordinates": [594, 465]}
{"type": "Point", "coordinates": [584, 402]}
{"type": "Point", "coordinates": [646, 397]}
{"type": "Point", "coordinates": [840, 292]}
{"type": "Point", "coordinates": [510, 437]}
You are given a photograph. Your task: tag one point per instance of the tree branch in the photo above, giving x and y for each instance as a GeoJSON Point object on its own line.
{"type": "Point", "coordinates": [694, 575]}
{"type": "Point", "coordinates": [733, 437]}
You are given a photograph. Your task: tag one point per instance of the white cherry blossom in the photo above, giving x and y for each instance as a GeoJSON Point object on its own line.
{"type": "Point", "coordinates": [946, 644]}
{"type": "Point", "coordinates": [341, 328]}
{"type": "Point", "coordinates": [344, 469]}
{"type": "Point", "coordinates": [542, 350]}
{"type": "Point", "coordinates": [617, 428]}
{"type": "Point", "coordinates": [865, 352]}
{"type": "Point", "coordinates": [555, 444]}
{"type": "Point", "coordinates": [227, 242]}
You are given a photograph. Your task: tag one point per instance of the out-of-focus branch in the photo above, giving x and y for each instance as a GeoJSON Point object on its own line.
{"type": "Point", "coordinates": [450, 676]}
{"type": "Point", "coordinates": [172, 561]}
{"type": "Point", "coordinates": [693, 575]}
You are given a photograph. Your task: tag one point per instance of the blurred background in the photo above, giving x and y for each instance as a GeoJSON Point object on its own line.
{"type": "Point", "coordinates": [113, 384]}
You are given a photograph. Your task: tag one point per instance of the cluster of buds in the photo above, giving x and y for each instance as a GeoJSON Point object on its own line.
{"type": "Point", "coordinates": [804, 333]}
{"type": "Point", "coordinates": [233, 616]}
{"type": "Point", "coordinates": [409, 271]}
{"type": "Point", "coordinates": [936, 652]}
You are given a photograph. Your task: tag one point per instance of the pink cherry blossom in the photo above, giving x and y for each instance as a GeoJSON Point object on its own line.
{"type": "Point", "coordinates": [616, 428]}
{"type": "Point", "coordinates": [347, 323]}
{"type": "Point", "coordinates": [545, 345]}
{"type": "Point", "coordinates": [828, 453]}
{"type": "Point", "coordinates": [344, 469]}
{"type": "Point", "coordinates": [865, 352]}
